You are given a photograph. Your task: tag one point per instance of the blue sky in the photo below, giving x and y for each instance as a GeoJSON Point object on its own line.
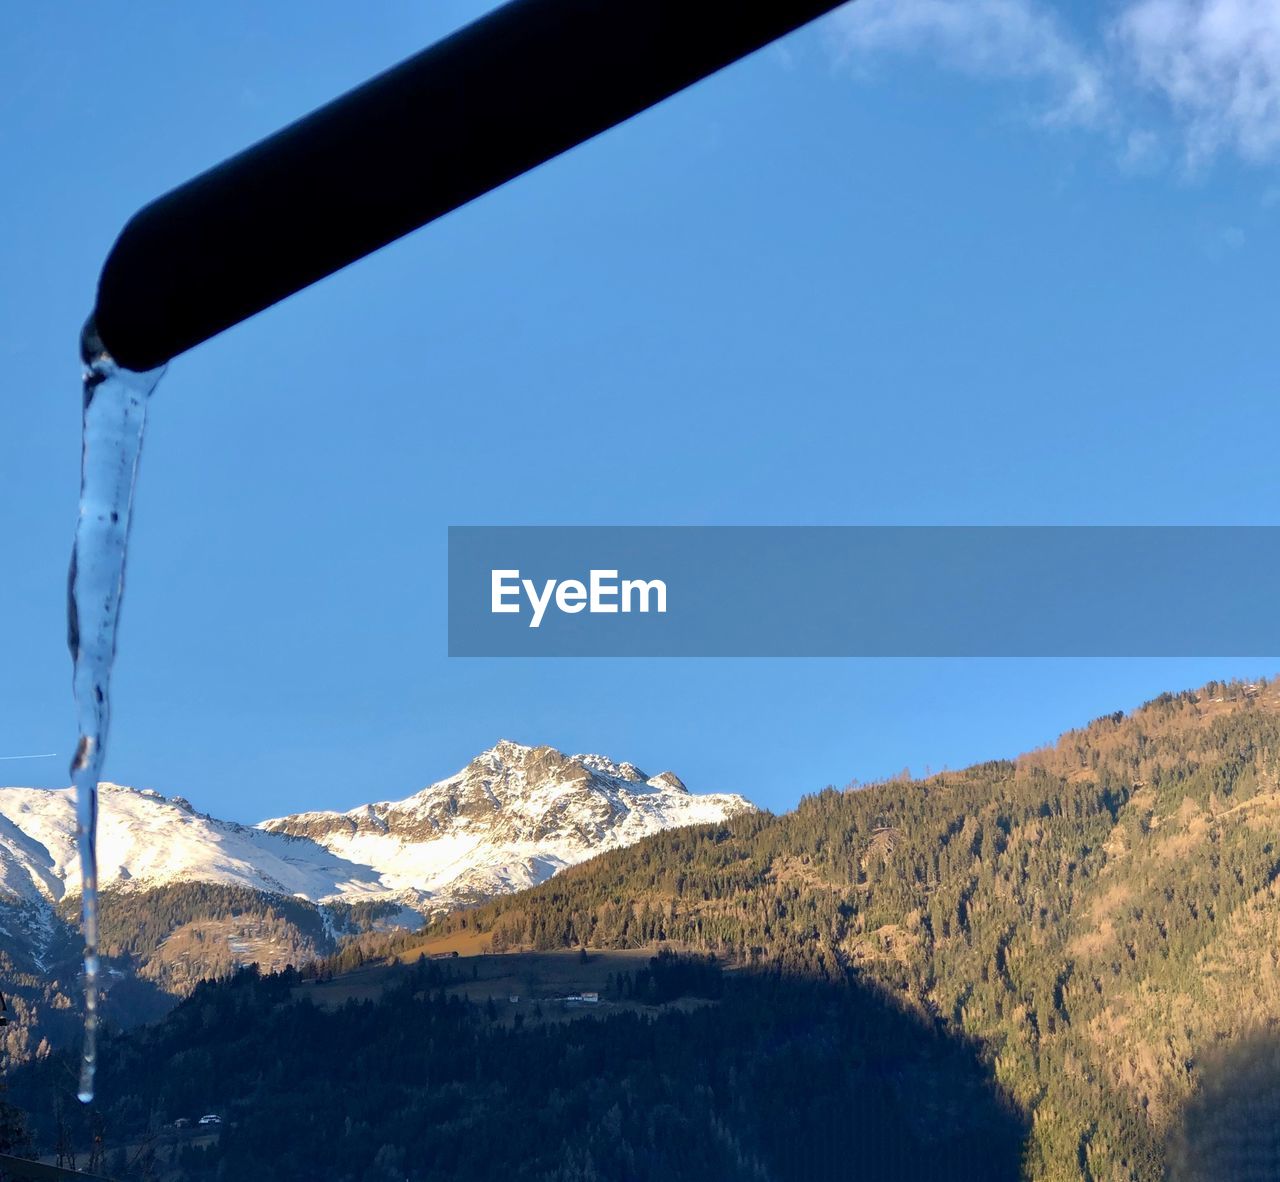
{"type": "Point", "coordinates": [930, 261]}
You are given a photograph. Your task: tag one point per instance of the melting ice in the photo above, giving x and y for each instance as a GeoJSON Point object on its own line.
{"type": "Point", "coordinates": [115, 416]}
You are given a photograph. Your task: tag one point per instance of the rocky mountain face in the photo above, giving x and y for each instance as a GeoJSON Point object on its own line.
{"type": "Point", "coordinates": [509, 820]}
{"type": "Point", "coordinates": [187, 895]}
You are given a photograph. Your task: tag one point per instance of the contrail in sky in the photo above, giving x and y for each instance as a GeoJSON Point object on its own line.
{"type": "Point", "coordinates": [50, 755]}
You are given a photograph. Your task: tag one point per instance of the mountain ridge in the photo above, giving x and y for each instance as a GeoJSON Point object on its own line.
{"type": "Point", "coordinates": [511, 817]}
{"type": "Point", "coordinates": [186, 895]}
{"type": "Point", "coordinates": [1102, 914]}
{"type": "Point", "coordinates": [1099, 919]}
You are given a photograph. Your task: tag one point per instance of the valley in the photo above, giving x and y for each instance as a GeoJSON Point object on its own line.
{"type": "Point", "coordinates": [1056, 966]}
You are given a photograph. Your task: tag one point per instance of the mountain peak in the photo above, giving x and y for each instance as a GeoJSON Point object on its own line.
{"type": "Point", "coordinates": [512, 817]}
{"type": "Point", "coordinates": [542, 762]}
{"type": "Point", "coordinates": [506, 749]}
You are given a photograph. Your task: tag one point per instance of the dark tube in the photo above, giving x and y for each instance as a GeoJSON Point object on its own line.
{"type": "Point", "coordinates": [519, 86]}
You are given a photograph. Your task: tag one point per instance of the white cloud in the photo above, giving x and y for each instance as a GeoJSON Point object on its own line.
{"type": "Point", "coordinates": [1216, 63]}
{"type": "Point", "coordinates": [1015, 39]}
{"type": "Point", "coordinates": [1212, 66]}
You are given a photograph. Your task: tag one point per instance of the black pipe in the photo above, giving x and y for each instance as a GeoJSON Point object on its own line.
{"type": "Point", "coordinates": [517, 87]}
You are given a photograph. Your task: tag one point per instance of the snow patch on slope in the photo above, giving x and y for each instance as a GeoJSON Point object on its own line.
{"type": "Point", "coordinates": [146, 840]}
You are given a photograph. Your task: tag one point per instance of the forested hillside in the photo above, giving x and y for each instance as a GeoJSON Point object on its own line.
{"type": "Point", "coordinates": [157, 945]}
{"type": "Point", "coordinates": [1100, 915]}
{"type": "Point", "coordinates": [1091, 931]}
{"type": "Point", "coordinates": [746, 1078]}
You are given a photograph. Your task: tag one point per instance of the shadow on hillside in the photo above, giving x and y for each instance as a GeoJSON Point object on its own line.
{"type": "Point", "coordinates": [1229, 1131]}
{"type": "Point", "coordinates": [732, 1078]}
{"type": "Point", "coordinates": [854, 1087]}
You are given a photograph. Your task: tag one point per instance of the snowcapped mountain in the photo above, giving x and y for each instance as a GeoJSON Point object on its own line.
{"type": "Point", "coordinates": [147, 840]}
{"type": "Point", "coordinates": [510, 819]}
{"type": "Point", "coordinates": [186, 896]}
